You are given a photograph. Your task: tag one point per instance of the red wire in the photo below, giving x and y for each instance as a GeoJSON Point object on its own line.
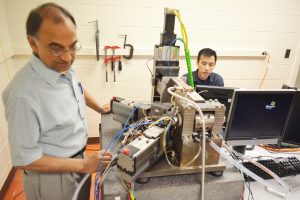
{"type": "Point", "coordinates": [263, 79]}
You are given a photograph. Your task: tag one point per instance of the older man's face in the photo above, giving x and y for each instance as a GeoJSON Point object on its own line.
{"type": "Point", "coordinates": [52, 38]}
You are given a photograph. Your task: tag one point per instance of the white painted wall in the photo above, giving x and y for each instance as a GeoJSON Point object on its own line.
{"type": "Point", "coordinates": [239, 30]}
{"type": "Point", "coordinates": [6, 72]}
{"type": "Point", "coordinates": [231, 27]}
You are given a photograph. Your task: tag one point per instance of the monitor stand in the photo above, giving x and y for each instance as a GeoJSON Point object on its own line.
{"type": "Point", "coordinates": [287, 145]}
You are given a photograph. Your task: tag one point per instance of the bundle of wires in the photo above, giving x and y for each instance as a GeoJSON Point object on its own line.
{"type": "Point", "coordinates": [130, 195]}
{"type": "Point", "coordinates": [111, 145]}
{"type": "Point", "coordinates": [114, 140]}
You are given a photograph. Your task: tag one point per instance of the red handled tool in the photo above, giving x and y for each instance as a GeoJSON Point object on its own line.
{"type": "Point", "coordinates": [113, 60]}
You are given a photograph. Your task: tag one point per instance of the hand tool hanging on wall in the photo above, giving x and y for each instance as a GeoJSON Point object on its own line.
{"type": "Point", "coordinates": [106, 61]}
{"type": "Point", "coordinates": [97, 40]}
{"type": "Point", "coordinates": [128, 45]}
{"type": "Point", "coordinates": [113, 61]}
{"type": "Point", "coordinates": [120, 64]}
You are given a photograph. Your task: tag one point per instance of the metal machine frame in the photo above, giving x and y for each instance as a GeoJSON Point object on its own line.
{"type": "Point", "coordinates": [142, 156]}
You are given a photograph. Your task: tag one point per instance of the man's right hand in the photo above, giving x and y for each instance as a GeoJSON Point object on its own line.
{"type": "Point", "coordinates": [91, 162]}
{"type": "Point", "coordinates": [105, 109]}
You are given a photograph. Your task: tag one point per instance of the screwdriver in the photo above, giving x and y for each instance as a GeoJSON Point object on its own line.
{"type": "Point", "coordinates": [106, 61]}
{"type": "Point", "coordinates": [120, 64]}
{"type": "Point", "coordinates": [113, 64]}
{"type": "Point", "coordinates": [106, 77]}
{"type": "Point", "coordinates": [113, 59]}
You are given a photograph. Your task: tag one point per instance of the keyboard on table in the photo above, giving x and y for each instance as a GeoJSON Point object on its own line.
{"type": "Point", "coordinates": [281, 166]}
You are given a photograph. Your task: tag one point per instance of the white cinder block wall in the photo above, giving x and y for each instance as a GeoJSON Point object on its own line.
{"type": "Point", "coordinates": [6, 72]}
{"type": "Point", "coordinates": [239, 30]}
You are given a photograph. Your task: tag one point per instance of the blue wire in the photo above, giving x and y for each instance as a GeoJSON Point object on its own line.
{"type": "Point", "coordinates": [113, 146]}
{"type": "Point", "coordinates": [127, 121]}
{"type": "Point", "coordinates": [170, 46]}
{"type": "Point", "coordinates": [119, 135]}
{"type": "Point", "coordinates": [100, 164]}
{"type": "Point", "coordinates": [130, 116]}
{"type": "Point", "coordinates": [168, 50]}
{"type": "Point", "coordinates": [99, 167]}
{"type": "Point", "coordinates": [168, 135]}
{"type": "Point", "coordinates": [125, 125]}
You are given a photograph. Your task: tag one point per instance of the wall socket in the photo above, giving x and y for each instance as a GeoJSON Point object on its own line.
{"type": "Point", "coordinates": [287, 53]}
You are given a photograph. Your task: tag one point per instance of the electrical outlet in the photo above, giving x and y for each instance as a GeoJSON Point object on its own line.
{"type": "Point", "coordinates": [287, 53]}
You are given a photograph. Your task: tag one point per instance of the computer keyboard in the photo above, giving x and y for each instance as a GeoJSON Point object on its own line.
{"type": "Point", "coordinates": [295, 162]}
{"type": "Point", "coordinates": [281, 166]}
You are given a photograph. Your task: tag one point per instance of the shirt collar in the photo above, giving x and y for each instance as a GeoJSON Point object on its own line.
{"type": "Point", "coordinates": [198, 80]}
{"type": "Point", "coordinates": [49, 75]}
{"type": "Point", "coordinates": [195, 76]}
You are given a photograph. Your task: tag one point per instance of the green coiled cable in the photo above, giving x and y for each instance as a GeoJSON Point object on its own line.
{"type": "Point", "coordinates": [189, 67]}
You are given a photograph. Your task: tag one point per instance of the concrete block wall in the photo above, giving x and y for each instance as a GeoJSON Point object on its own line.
{"type": "Point", "coordinates": [6, 73]}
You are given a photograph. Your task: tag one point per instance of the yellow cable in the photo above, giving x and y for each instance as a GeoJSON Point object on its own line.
{"type": "Point", "coordinates": [160, 119]}
{"type": "Point", "coordinates": [177, 13]}
{"type": "Point", "coordinates": [143, 110]}
{"type": "Point", "coordinates": [128, 185]}
{"type": "Point", "coordinates": [131, 195]}
{"type": "Point", "coordinates": [172, 97]}
{"type": "Point", "coordinates": [183, 30]}
{"type": "Point", "coordinates": [164, 145]}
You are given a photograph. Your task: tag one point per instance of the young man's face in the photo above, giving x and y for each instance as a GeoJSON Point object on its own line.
{"type": "Point", "coordinates": [205, 65]}
{"type": "Point", "coordinates": [53, 38]}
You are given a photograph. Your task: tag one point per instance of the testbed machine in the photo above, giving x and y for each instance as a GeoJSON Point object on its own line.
{"type": "Point", "coordinates": [176, 127]}
{"type": "Point", "coordinates": [172, 129]}
{"type": "Point", "coordinates": [182, 140]}
{"type": "Point", "coordinates": [165, 137]}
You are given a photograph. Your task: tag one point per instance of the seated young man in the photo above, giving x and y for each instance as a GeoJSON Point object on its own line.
{"type": "Point", "coordinates": [204, 75]}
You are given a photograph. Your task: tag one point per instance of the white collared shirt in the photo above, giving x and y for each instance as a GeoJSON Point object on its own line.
{"type": "Point", "coordinates": [46, 113]}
